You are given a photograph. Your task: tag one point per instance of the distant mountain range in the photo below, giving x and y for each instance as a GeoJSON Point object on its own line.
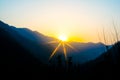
{"type": "Point", "coordinates": [37, 44]}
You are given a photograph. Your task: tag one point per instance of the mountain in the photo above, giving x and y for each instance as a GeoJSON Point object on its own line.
{"type": "Point", "coordinates": [29, 40]}
{"type": "Point", "coordinates": [33, 35]}
{"type": "Point", "coordinates": [24, 50]}
{"type": "Point", "coordinates": [37, 44]}
{"type": "Point", "coordinates": [106, 66]}
{"type": "Point", "coordinates": [86, 51]}
{"type": "Point", "coordinates": [13, 56]}
{"type": "Point", "coordinates": [112, 56]}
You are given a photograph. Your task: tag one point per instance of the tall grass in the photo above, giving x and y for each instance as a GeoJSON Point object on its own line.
{"type": "Point", "coordinates": [115, 30]}
{"type": "Point", "coordinates": [105, 40]}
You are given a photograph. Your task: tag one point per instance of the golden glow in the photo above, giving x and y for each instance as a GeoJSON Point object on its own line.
{"type": "Point", "coordinates": [62, 43]}
{"type": "Point", "coordinates": [74, 18]}
{"type": "Point", "coordinates": [62, 38]}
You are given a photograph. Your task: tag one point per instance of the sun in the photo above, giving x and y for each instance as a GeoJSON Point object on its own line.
{"type": "Point", "coordinates": [63, 42]}
{"type": "Point", "coordinates": [63, 38]}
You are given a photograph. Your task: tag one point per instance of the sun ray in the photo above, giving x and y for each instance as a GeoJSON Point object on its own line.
{"type": "Point", "coordinates": [63, 43]}
{"type": "Point", "coordinates": [55, 51]}
{"type": "Point", "coordinates": [65, 52]}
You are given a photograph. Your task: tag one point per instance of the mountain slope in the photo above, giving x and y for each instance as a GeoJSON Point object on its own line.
{"type": "Point", "coordinates": [38, 48]}
{"type": "Point", "coordinates": [106, 66]}
{"type": "Point", "coordinates": [37, 44]}
{"type": "Point", "coordinates": [13, 56]}
{"type": "Point", "coordinates": [86, 51]}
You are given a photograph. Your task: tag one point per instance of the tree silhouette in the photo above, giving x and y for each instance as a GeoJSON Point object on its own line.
{"type": "Point", "coordinates": [70, 64]}
{"type": "Point", "coordinates": [59, 61]}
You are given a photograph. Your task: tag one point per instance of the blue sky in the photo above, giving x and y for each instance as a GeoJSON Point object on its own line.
{"type": "Point", "coordinates": [74, 18]}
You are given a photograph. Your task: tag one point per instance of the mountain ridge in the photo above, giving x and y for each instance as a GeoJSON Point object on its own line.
{"type": "Point", "coordinates": [37, 44]}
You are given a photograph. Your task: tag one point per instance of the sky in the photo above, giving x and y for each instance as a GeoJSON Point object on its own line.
{"type": "Point", "coordinates": [80, 20]}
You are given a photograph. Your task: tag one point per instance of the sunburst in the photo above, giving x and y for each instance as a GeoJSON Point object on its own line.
{"type": "Point", "coordinates": [62, 42]}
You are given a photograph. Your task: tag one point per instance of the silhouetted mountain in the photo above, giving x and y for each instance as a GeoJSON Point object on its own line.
{"type": "Point", "coordinates": [86, 51]}
{"type": "Point", "coordinates": [113, 54]}
{"type": "Point", "coordinates": [15, 59]}
{"type": "Point", "coordinates": [38, 45]}
{"type": "Point", "coordinates": [33, 35]}
{"type": "Point", "coordinates": [105, 66]}
{"type": "Point", "coordinates": [29, 40]}
{"type": "Point", "coordinates": [24, 50]}
{"type": "Point", "coordinates": [13, 56]}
